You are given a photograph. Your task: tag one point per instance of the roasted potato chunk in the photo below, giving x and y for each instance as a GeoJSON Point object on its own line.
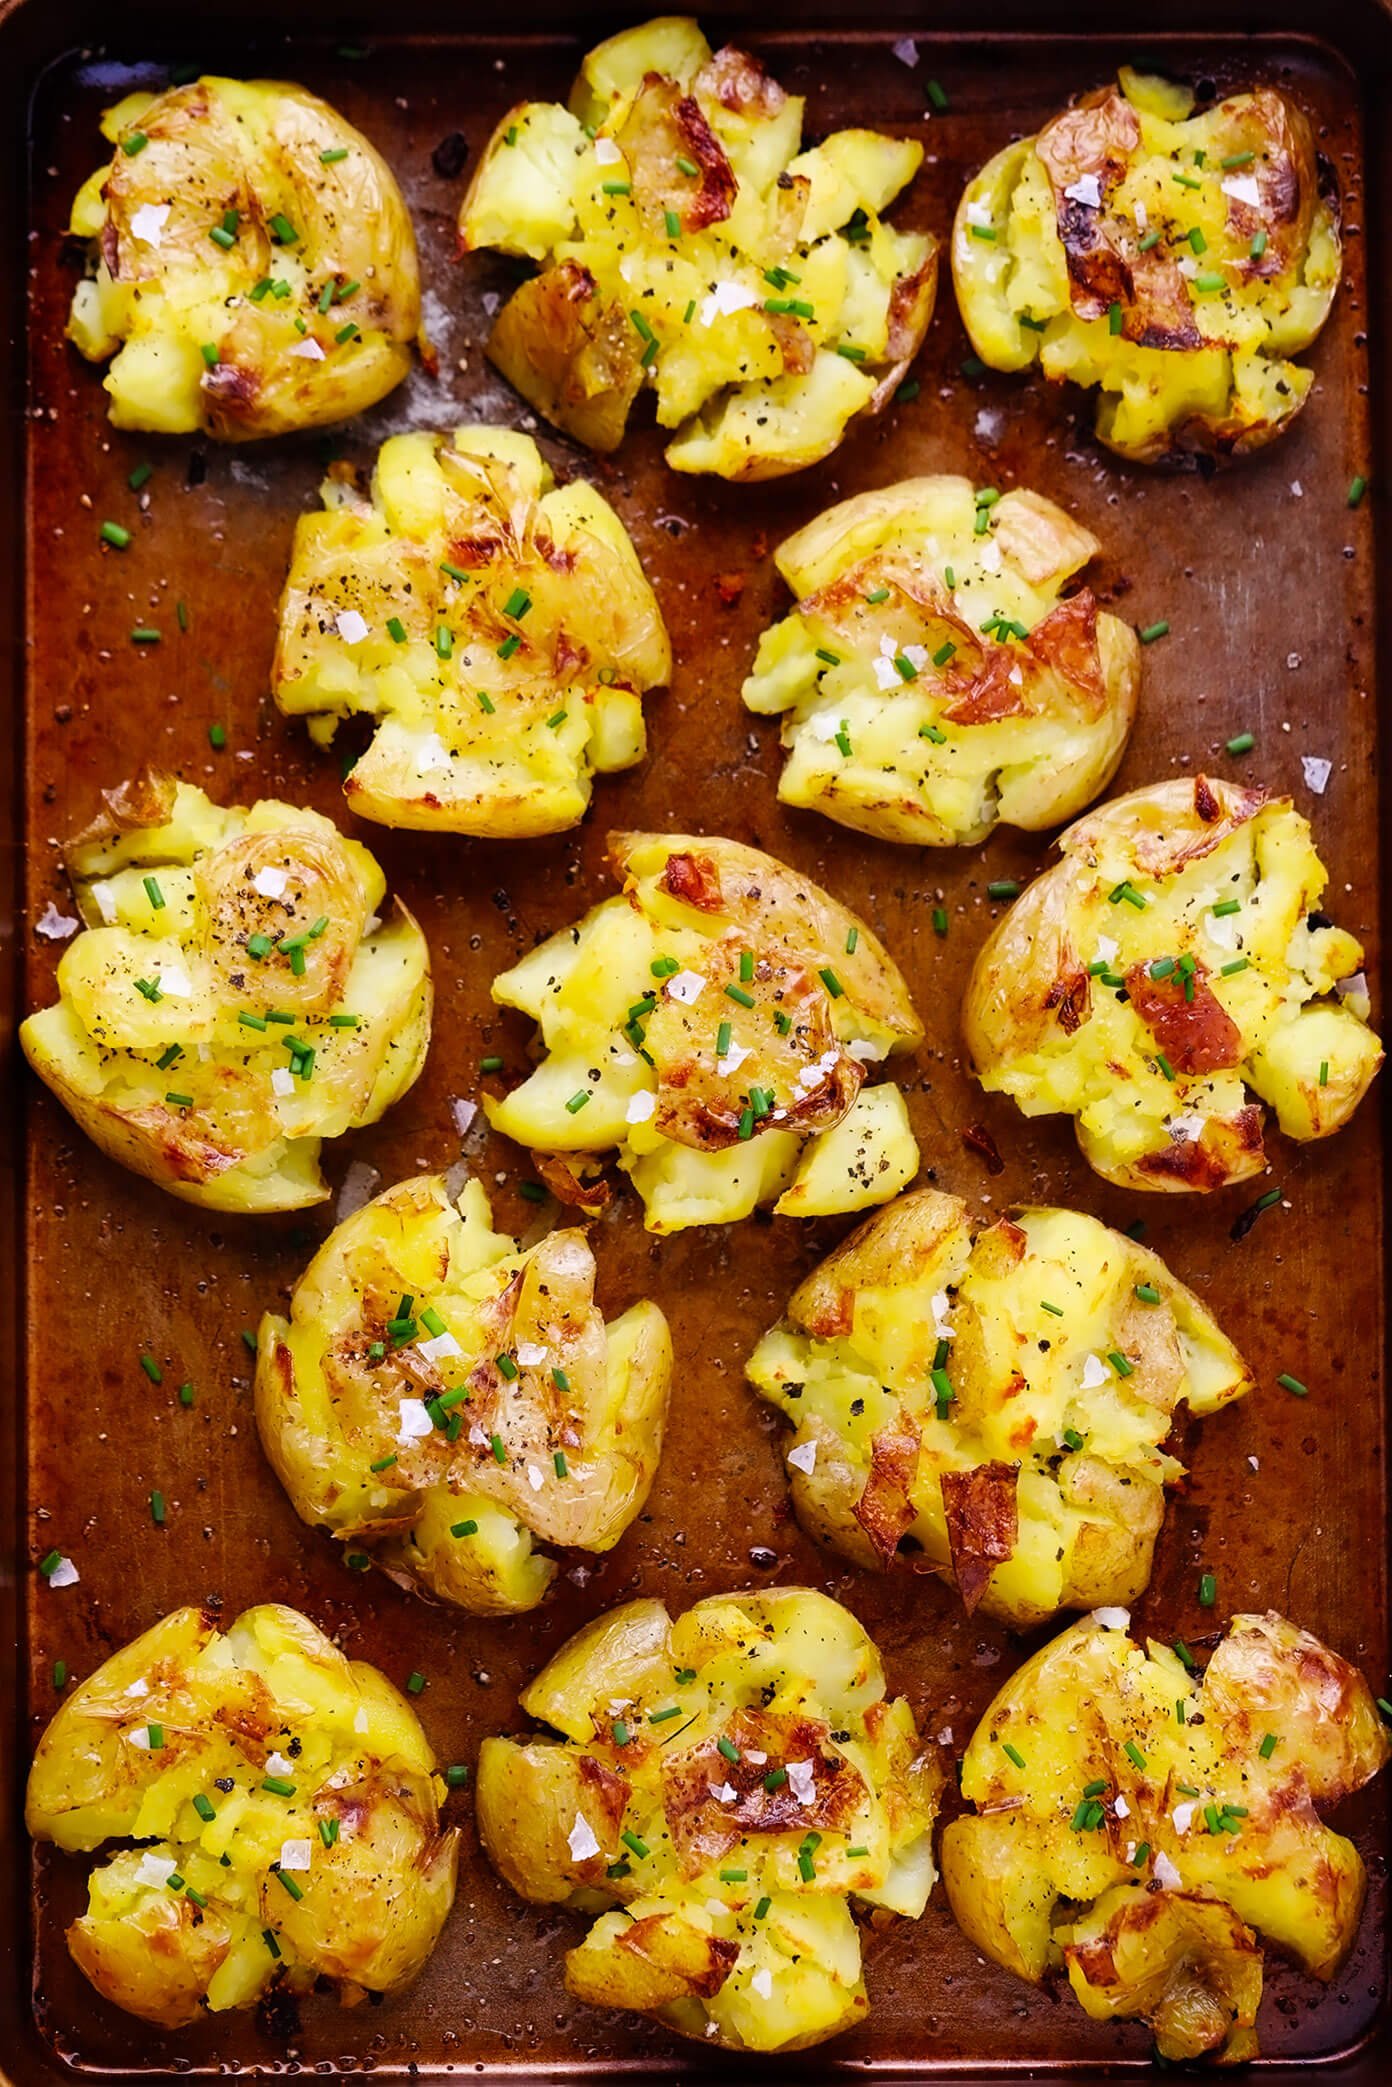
{"type": "Point", "coordinates": [934, 679]}
{"type": "Point", "coordinates": [498, 626]}
{"type": "Point", "coordinates": [235, 998]}
{"type": "Point", "coordinates": [998, 1402]}
{"type": "Point", "coordinates": [448, 1400]}
{"type": "Point", "coordinates": [1176, 262]}
{"type": "Point", "coordinates": [251, 264]}
{"type": "Point", "coordinates": [284, 1809]}
{"type": "Point", "coordinates": [685, 243]}
{"type": "Point", "coordinates": [1147, 1828]}
{"type": "Point", "coordinates": [729, 1781]}
{"type": "Point", "coordinates": [1172, 960]}
{"type": "Point", "coordinates": [715, 1025]}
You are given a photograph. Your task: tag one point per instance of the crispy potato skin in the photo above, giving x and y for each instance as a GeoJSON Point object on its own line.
{"type": "Point", "coordinates": [199, 918]}
{"type": "Point", "coordinates": [1077, 249]}
{"type": "Point", "coordinates": [497, 626]}
{"type": "Point", "coordinates": [355, 1406]}
{"type": "Point", "coordinates": [204, 333]}
{"type": "Point", "coordinates": [191, 1711]}
{"type": "Point", "coordinates": [827, 1797]}
{"type": "Point", "coordinates": [715, 1025]}
{"type": "Point", "coordinates": [901, 717]}
{"type": "Point", "coordinates": [1169, 1895]}
{"type": "Point", "coordinates": [1037, 1482]}
{"type": "Point", "coordinates": [667, 209]}
{"type": "Point", "coordinates": [1213, 999]}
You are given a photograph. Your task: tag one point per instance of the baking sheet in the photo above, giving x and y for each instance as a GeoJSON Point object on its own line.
{"type": "Point", "coordinates": [1267, 580]}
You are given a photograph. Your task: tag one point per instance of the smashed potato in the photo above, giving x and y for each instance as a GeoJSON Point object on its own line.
{"type": "Point", "coordinates": [727, 1782]}
{"type": "Point", "coordinates": [252, 267]}
{"type": "Point", "coordinates": [715, 1025]}
{"type": "Point", "coordinates": [1147, 1828]}
{"type": "Point", "coordinates": [934, 678]}
{"type": "Point", "coordinates": [283, 1811]}
{"type": "Point", "coordinates": [1174, 261]}
{"type": "Point", "coordinates": [1172, 960]}
{"type": "Point", "coordinates": [998, 1401]}
{"type": "Point", "coordinates": [447, 1400]}
{"type": "Point", "coordinates": [499, 627]}
{"type": "Point", "coordinates": [685, 242]}
{"type": "Point", "coordinates": [235, 999]}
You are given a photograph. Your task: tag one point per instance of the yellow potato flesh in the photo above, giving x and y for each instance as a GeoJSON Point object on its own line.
{"type": "Point", "coordinates": [1208, 1789]}
{"type": "Point", "coordinates": [497, 626]}
{"type": "Point", "coordinates": [1022, 1329]}
{"type": "Point", "coordinates": [303, 307]}
{"type": "Point", "coordinates": [685, 243]}
{"type": "Point", "coordinates": [752, 1946]}
{"type": "Point", "coordinates": [499, 1412]}
{"type": "Point", "coordinates": [593, 991]}
{"type": "Point", "coordinates": [265, 1745]}
{"type": "Point", "coordinates": [147, 1046]}
{"type": "Point", "coordinates": [1189, 187]}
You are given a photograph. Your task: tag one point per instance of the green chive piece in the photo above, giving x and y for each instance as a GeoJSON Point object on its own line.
{"type": "Point", "coordinates": [1208, 1590]}
{"type": "Point", "coordinates": [415, 1682]}
{"type": "Point", "coordinates": [660, 1717]}
{"type": "Point", "coordinates": [208, 350]}
{"type": "Point", "coordinates": [115, 535]}
{"type": "Point", "coordinates": [728, 1748]}
{"type": "Point", "coordinates": [1268, 1746]}
{"type": "Point", "coordinates": [1012, 1753]}
{"type": "Point", "coordinates": [396, 630]}
{"type": "Point", "coordinates": [1153, 631]}
{"type": "Point", "coordinates": [1294, 1385]}
{"type": "Point", "coordinates": [734, 1876]}
{"type": "Point", "coordinates": [1134, 1755]}
{"type": "Point", "coordinates": [632, 1842]}
{"type": "Point", "coordinates": [49, 1563]}
{"type": "Point", "coordinates": [687, 167]}
{"type": "Point", "coordinates": [562, 1469]}
{"type": "Point", "coordinates": [577, 1101]}
{"type": "Point", "coordinates": [1258, 246]}
{"type": "Point", "coordinates": [673, 223]}
{"type": "Point", "coordinates": [278, 1785]}
{"type": "Point", "coordinates": [289, 1882]}
{"type": "Point", "coordinates": [217, 737]}
{"type": "Point", "coordinates": [1357, 488]}
{"type": "Point", "coordinates": [831, 982]}
{"type": "Point", "coordinates": [155, 1735]}
{"type": "Point", "coordinates": [1147, 1293]}
{"type": "Point", "coordinates": [469, 1528]}
{"type": "Point", "coordinates": [328, 1831]}
{"type": "Point", "coordinates": [1116, 318]}
{"type": "Point", "coordinates": [134, 143]}
{"type": "Point", "coordinates": [739, 996]}
{"type": "Point", "coordinates": [152, 1369]}
{"type": "Point", "coordinates": [1003, 888]}
{"type": "Point", "coordinates": [939, 920]}
{"type": "Point", "coordinates": [157, 1510]}
{"type": "Point", "coordinates": [206, 1810]}
{"type": "Point", "coordinates": [1242, 743]}
{"type": "Point", "coordinates": [282, 231]}
{"type": "Point", "coordinates": [456, 1775]}
{"type": "Point", "coordinates": [499, 1448]}
{"type": "Point", "coordinates": [60, 1674]}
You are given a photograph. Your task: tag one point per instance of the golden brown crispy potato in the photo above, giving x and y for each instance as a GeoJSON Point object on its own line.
{"type": "Point", "coordinates": [498, 626]}
{"type": "Point", "coordinates": [730, 1781]}
{"type": "Point", "coordinates": [998, 1401]}
{"type": "Point", "coordinates": [715, 1024]}
{"type": "Point", "coordinates": [1148, 1828]}
{"type": "Point", "coordinates": [1172, 961]}
{"type": "Point", "coordinates": [1174, 261]}
{"type": "Point", "coordinates": [252, 266]}
{"type": "Point", "coordinates": [934, 679]}
{"type": "Point", "coordinates": [235, 998]}
{"type": "Point", "coordinates": [496, 1409]}
{"type": "Point", "coordinates": [684, 240]}
{"type": "Point", "coordinates": [285, 1807]}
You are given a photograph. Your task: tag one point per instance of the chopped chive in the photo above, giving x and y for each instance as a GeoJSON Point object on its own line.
{"type": "Point", "coordinates": [939, 920]}
{"type": "Point", "coordinates": [134, 144]}
{"type": "Point", "coordinates": [852, 938]}
{"type": "Point", "coordinates": [660, 1717]}
{"type": "Point", "coordinates": [1231, 970]}
{"type": "Point", "coordinates": [761, 1910]}
{"type": "Point", "coordinates": [511, 643]}
{"type": "Point", "coordinates": [444, 640]}
{"type": "Point", "coordinates": [469, 1528]}
{"type": "Point", "coordinates": [1055, 1309]}
{"type": "Point", "coordinates": [1147, 1293]}
{"type": "Point", "coordinates": [217, 737]}
{"type": "Point", "coordinates": [1242, 743]}
{"type": "Point", "coordinates": [1151, 239]}
{"type": "Point", "coordinates": [673, 224]}
{"type": "Point", "coordinates": [739, 996]}
{"type": "Point", "coordinates": [728, 1748]}
{"type": "Point", "coordinates": [983, 232]}
{"type": "Point", "coordinates": [1197, 240]}
{"type": "Point", "coordinates": [1115, 318]}
{"type": "Point", "coordinates": [1293, 1384]}
{"type": "Point", "coordinates": [415, 1682]}
{"type": "Point", "coordinates": [831, 982]}
{"type": "Point", "coordinates": [289, 1882]}
{"type": "Point", "coordinates": [141, 476]}
{"type": "Point", "coordinates": [328, 1831]}
{"type": "Point", "coordinates": [1208, 1590]}
{"type": "Point", "coordinates": [620, 1732]}
{"type": "Point", "coordinates": [1258, 246]}
{"type": "Point", "coordinates": [775, 1779]}
{"type": "Point", "coordinates": [829, 659]}
{"type": "Point", "coordinates": [1357, 488]}
{"type": "Point", "coordinates": [208, 350]}
{"type": "Point", "coordinates": [333, 156]}
{"type": "Point", "coordinates": [633, 1844]}
{"type": "Point", "coordinates": [1120, 1364]}
{"type": "Point", "coordinates": [186, 1394]}
{"type": "Point", "coordinates": [734, 1876]}
{"type": "Point", "coordinates": [152, 1369]}
{"type": "Point", "coordinates": [49, 1563]}
{"type": "Point", "coordinates": [1268, 1746]}
{"type": "Point", "coordinates": [1012, 1753]}
{"type": "Point", "coordinates": [153, 893]}
{"type": "Point", "coordinates": [456, 1775]}
{"type": "Point", "coordinates": [722, 1040]}
{"type": "Point", "coordinates": [282, 231]}
{"type": "Point", "coordinates": [155, 1735]}
{"type": "Point", "coordinates": [498, 1446]}
{"type": "Point", "coordinates": [559, 1464]}
{"type": "Point", "coordinates": [578, 1100]}
{"type": "Point", "coordinates": [278, 1785]}
{"type": "Point", "coordinates": [396, 630]}
{"type": "Point", "coordinates": [205, 1808]}
{"type": "Point", "coordinates": [877, 595]}
{"type": "Point", "coordinates": [1003, 888]}
{"type": "Point", "coordinates": [114, 534]}
{"type": "Point", "coordinates": [220, 236]}
{"type": "Point", "coordinates": [944, 653]}
{"type": "Point", "coordinates": [179, 1101]}
{"type": "Point", "coordinates": [1153, 631]}
{"type": "Point", "coordinates": [1134, 1755]}
{"type": "Point", "coordinates": [851, 354]}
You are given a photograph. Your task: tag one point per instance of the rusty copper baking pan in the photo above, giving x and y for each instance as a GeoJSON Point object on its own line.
{"type": "Point", "coordinates": [1268, 580]}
